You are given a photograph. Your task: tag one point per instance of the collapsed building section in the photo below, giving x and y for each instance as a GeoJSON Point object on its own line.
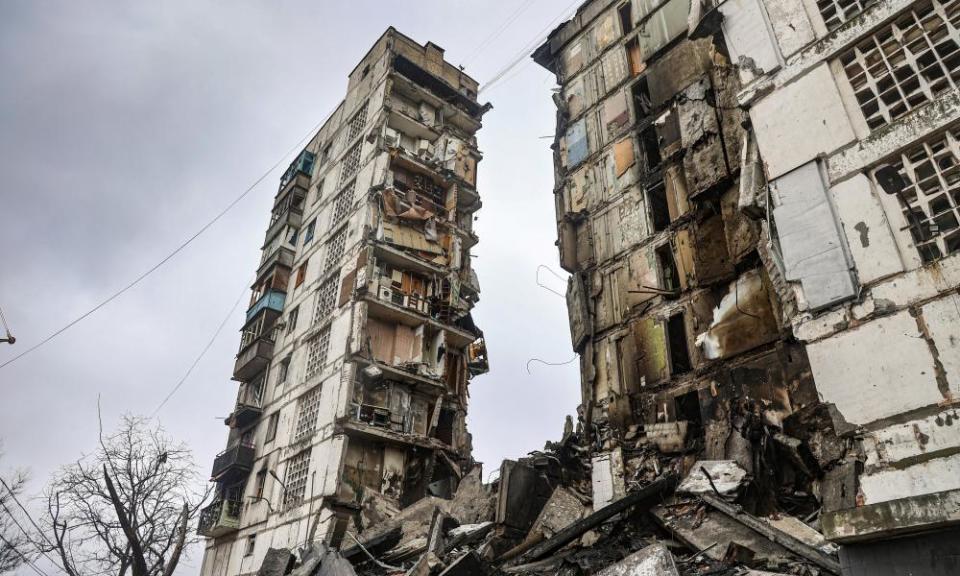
{"type": "Point", "coordinates": [359, 344]}
{"type": "Point", "coordinates": [756, 203]}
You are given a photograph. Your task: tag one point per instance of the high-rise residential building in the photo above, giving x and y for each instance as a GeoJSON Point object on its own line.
{"type": "Point", "coordinates": [358, 345]}
{"type": "Point", "coordinates": [758, 204]}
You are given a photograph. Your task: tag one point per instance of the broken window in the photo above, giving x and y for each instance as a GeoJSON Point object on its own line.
{"type": "Point", "coordinates": [445, 425]}
{"type": "Point", "coordinates": [292, 320]}
{"type": "Point", "coordinates": [326, 298]}
{"type": "Point", "coordinates": [929, 182]}
{"type": "Point", "coordinates": [641, 98]}
{"type": "Point", "coordinates": [626, 18]}
{"type": "Point", "coordinates": [335, 247]}
{"type": "Point", "coordinates": [308, 235]}
{"type": "Point", "coordinates": [837, 12]}
{"type": "Point", "coordinates": [317, 352]}
{"type": "Point", "coordinates": [669, 277]}
{"type": "Point", "coordinates": [907, 63]}
{"type": "Point", "coordinates": [351, 164]}
{"type": "Point", "coordinates": [272, 425]}
{"type": "Point", "coordinates": [307, 410]}
{"type": "Point", "coordinates": [295, 479]}
{"type": "Point", "coordinates": [651, 147]}
{"type": "Point", "coordinates": [687, 408]}
{"type": "Point", "coordinates": [301, 274]}
{"type": "Point", "coordinates": [357, 123]}
{"type": "Point", "coordinates": [261, 483]}
{"type": "Point", "coordinates": [677, 345]}
{"type": "Point", "coordinates": [659, 209]}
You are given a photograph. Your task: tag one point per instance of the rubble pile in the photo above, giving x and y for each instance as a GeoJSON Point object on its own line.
{"type": "Point", "coordinates": [643, 504]}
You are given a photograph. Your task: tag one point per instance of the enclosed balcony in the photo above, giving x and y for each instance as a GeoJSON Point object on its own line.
{"type": "Point", "coordinates": [219, 519]}
{"type": "Point", "coordinates": [280, 256]}
{"type": "Point", "coordinates": [233, 463]}
{"type": "Point", "coordinates": [271, 300]}
{"type": "Point", "coordinates": [298, 172]}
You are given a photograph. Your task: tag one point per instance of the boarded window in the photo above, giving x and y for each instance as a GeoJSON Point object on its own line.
{"type": "Point", "coordinates": [623, 155]}
{"type": "Point", "coordinates": [301, 274]}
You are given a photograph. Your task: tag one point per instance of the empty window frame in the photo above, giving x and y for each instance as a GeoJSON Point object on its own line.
{"type": "Point", "coordinates": [283, 370]}
{"type": "Point", "coordinates": [342, 204]}
{"type": "Point", "coordinates": [677, 345]}
{"type": "Point", "coordinates": [659, 209]}
{"type": "Point", "coordinates": [667, 269]}
{"type": "Point", "coordinates": [907, 63]}
{"type": "Point", "coordinates": [308, 408]}
{"type": "Point", "coordinates": [930, 197]}
{"type": "Point", "coordinates": [837, 12]}
{"type": "Point", "coordinates": [626, 18]}
{"type": "Point", "coordinates": [642, 104]}
{"type": "Point", "coordinates": [295, 478]}
{"type": "Point", "coordinates": [357, 123]}
{"type": "Point", "coordinates": [317, 352]}
{"type": "Point", "coordinates": [251, 545]}
{"type": "Point", "coordinates": [326, 299]}
{"type": "Point", "coordinates": [292, 320]}
{"type": "Point", "coordinates": [351, 164]}
{"type": "Point", "coordinates": [272, 424]}
{"type": "Point", "coordinates": [260, 484]}
{"type": "Point", "coordinates": [651, 148]}
{"type": "Point", "coordinates": [335, 247]}
{"type": "Point", "coordinates": [311, 229]}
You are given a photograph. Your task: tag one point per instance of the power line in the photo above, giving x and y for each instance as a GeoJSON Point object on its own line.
{"type": "Point", "coordinates": [203, 352]}
{"type": "Point", "coordinates": [22, 529]}
{"type": "Point", "coordinates": [26, 560]}
{"type": "Point", "coordinates": [524, 52]}
{"type": "Point", "coordinates": [496, 33]}
{"type": "Point", "coordinates": [176, 251]}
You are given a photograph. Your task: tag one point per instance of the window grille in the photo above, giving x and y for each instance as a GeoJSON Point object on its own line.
{"type": "Point", "coordinates": [326, 299]}
{"type": "Point", "coordinates": [837, 12]}
{"type": "Point", "coordinates": [317, 352]}
{"type": "Point", "coordinates": [341, 206]}
{"type": "Point", "coordinates": [295, 479]}
{"type": "Point", "coordinates": [357, 123]}
{"type": "Point", "coordinates": [351, 163]}
{"type": "Point", "coordinates": [335, 248]}
{"type": "Point", "coordinates": [907, 63]}
{"type": "Point", "coordinates": [308, 408]}
{"type": "Point", "coordinates": [930, 198]}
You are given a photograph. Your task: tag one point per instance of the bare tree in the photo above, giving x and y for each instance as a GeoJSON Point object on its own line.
{"type": "Point", "coordinates": [125, 508]}
{"type": "Point", "coordinates": [15, 546]}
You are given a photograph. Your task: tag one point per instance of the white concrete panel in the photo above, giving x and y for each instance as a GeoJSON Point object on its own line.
{"type": "Point", "coordinates": [811, 242]}
{"type": "Point", "coordinates": [800, 121]}
{"type": "Point", "coordinates": [928, 435]}
{"type": "Point", "coordinates": [928, 477]}
{"type": "Point", "coordinates": [943, 323]}
{"type": "Point", "coordinates": [868, 232]}
{"type": "Point", "coordinates": [791, 25]}
{"type": "Point", "coordinates": [748, 38]}
{"type": "Point", "coordinates": [876, 370]}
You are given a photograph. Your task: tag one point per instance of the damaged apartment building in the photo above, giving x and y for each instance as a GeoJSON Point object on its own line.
{"type": "Point", "coordinates": [358, 345]}
{"type": "Point", "coordinates": [758, 203]}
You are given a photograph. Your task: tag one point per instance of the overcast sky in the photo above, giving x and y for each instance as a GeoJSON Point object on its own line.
{"type": "Point", "coordinates": [124, 127]}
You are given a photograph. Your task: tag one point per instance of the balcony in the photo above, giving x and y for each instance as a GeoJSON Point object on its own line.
{"type": "Point", "coordinates": [220, 518]}
{"type": "Point", "coordinates": [272, 300]}
{"type": "Point", "coordinates": [292, 216]}
{"type": "Point", "coordinates": [281, 256]}
{"type": "Point", "coordinates": [253, 359]}
{"type": "Point", "coordinates": [233, 463]}
{"type": "Point", "coordinates": [298, 173]}
{"type": "Point", "coordinates": [247, 410]}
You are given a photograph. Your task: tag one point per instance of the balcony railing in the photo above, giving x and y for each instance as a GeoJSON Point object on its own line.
{"type": "Point", "coordinates": [233, 462]}
{"type": "Point", "coordinates": [273, 300]}
{"type": "Point", "coordinates": [279, 256]}
{"type": "Point", "coordinates": [300, 168]}
{"type": "Point", "coordinates": [292, 216]}
{"type": "Point", "coordinates": [220, 518]}
{"type": "Point", "coordinates": [253, 359]}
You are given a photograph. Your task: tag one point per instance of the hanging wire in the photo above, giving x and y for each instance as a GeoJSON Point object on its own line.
{"type": "Point", "coordinates": [544, 286]}
{"type": "Point", "coordinates": [575, 356]}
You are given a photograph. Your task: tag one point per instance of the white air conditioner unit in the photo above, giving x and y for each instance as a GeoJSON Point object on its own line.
{"type": "Point", "coordinates": [385, 293]}
{"type": "Point", "coordinates": [424, 148]}
{"type": "Point", "coordinates": [391, 138]}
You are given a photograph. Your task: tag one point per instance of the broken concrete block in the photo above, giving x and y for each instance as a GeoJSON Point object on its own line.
{"type": "Point", "coordinates": [670, 437]}
{"type": "Point", "coordinates": [277, 562]}
{"type": "Point", "coordinates": [655, 560]}
{"type": "Point", "coordinates": [727, 477]}
{"type": "Point", "coordinates": [560, 511]}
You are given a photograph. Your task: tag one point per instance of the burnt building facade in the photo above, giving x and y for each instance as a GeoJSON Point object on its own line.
{"type": "Point", "coordinates": [756, 202]}
{"type": "Point", "coordinates": [358, 345]}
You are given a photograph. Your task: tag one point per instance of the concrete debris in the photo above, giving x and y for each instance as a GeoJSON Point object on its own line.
{"type": "Point", "coordinates": [654, 560]}
{"type": "Point", "coordinates": [723, 477]}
